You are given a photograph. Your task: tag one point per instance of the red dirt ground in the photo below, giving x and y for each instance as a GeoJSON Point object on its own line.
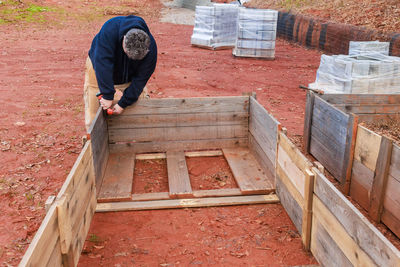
{"type": "Point", "coordinates": [42, 69]}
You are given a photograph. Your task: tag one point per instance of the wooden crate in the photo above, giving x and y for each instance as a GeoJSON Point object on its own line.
{"type": "Point", "coordinates": [330, 127]}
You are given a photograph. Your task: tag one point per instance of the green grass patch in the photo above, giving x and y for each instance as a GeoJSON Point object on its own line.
{"type": "Point", "coordinates": [14, 12]}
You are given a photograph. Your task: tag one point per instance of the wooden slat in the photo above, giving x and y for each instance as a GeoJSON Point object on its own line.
{"type": "Point", "coordinates": [392, 221]}
{"type": "Point", "coordinates": [349, 153]}
{"type": "Point", "coordinates": [187, 203]}
{"type": "Point", "coordinates": [361, 184]}
{"type": "Point", "coordinates": [394, 170]}
{"type": "Point", "coordinates": [207, 153]}
{"type": "Point", "coordinates": [391, 204]}
{"type": "Point", "coordinates": [307, 209]}
{"type": "Point", "coordinates": [294, 174]}
{"type": "Point", "coordinates": [330, 161]}
{"type": "Point", "coordinates": [339, 235]}
{"type": "Point", "coordinates": [118, 178]}
{"type": "Point", "coordinates": [324, 249]}
{"type": "Point", "coordinates": [264, 128]}
{"type": "Point", "coordinates": [148, 147]}
{"type": "Point", "coordinates": [189, 105]}
{"type": "Point", "coordinates": [362, 99]}
{"type": "Point", "coordinates": [290, 187]}
{"type": "Point", "coordinates": [178, 120]}
{"type": "Point", "coordinates": [178, 175]}
{"type": "Point", "coordinates": [44, 241]}
{"type": "Point", "coordinates": [370, 108]}
{"type": "Point", "coordinates": [55, 258]}
{"type": "Point", "coordinates": [332, 130]}
{"type": "Point", "coordinates": [266, 164]}
{"type": "Point", "coordinates": [367, 237]}
{"type": "Point", "coordinates": [99, 138]}
{"type": "Point", "coordinates": [367, 147]}
{"type": "Point", "coordinates": [150, 196]}
{"type": "Point", "coordinates": [329, 113]}
{"type": "Point", "coordinates": [177, 133]}
{"type": "Point", "coordinates": [307, 120]}
{"type": "Point", "coordinates": [64, 224]}
{"type": "Point", "coordinates": [295, 154]}
{"type": "Point", "coordinates": [148, 156]}
{"type": "Point", "coordinates": [248, 174]}
{"type": "Point", "coordinates": [380, 180]}
{"type": "Point", "coordinates": [291, 205]}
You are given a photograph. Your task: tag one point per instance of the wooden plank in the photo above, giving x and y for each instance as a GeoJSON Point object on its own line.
{"type": "Point", "coordinates": [349, 153]}
{"type": "Point", "coordinates": [182, 145]}
{"type": "Point", "coordinates": [294, 174]}
{"type": "Point", "coordinates": [329, 113]}
{"type": "Point", "coordinates": [178, 175]}
{"type": "Point", "coordinates": [55, 258]}
{"type": "Point", "coordinates": [291, 205]}
{"type": "Point", "coordinates": [391, 204]}
{"type": "Point", "coordinates": [307, 210]}
{"type": "Point", "coordinates": [380, 179]}
{"type": "Point", "coordinates": [118, 177]}
{"type": "Point", "coordinates": [324, 249]}
{"type": "Point", "coordinates": [217, 192]}
{"type": "Point", "coordinates": [264, 128]}
{"type": "Point", "coordinates": [188, 105]}
{"type": "Point", "coordinates": [367, 147]}
{"type": "Point", "coordinates": [148, 156]}
{"type": "Point", "coordinates": [324, 155]}
{"type": "Point", "coordinates": [178, 120]}
{"type": "Point", "coordinates": [361, 184]}
{"type": "Point", "coordinates": [332, 130]}
{"type": "Point", "coordinates": [391, 221]}
{"type": "Point", "coordinates": [150, 196]}
{"type": "Point", "coordinates": [294, 153]}
{"type": "Point", "coordinates": [362, 99]}
{"type": "Point", "coordinates": [64, 224]}
{"type": "Point", "coordinates": [307, 120]}
{"type": "Point", "coordinates": [248, 174]}
{"type": "Point", "coordinates": [339, 235]}
{"type": "Point", "coordinates": [370, 108]}
{"type": "Point", "coordinates": [367, 237]}
{"type": "Point", "coordinates": [99, 138]}
{"type": "Point", "coordinates": [207, 153]}
{"type": "Point", "coordinates": [394, 170]}
{"type": "Point", "coordinates": [266, 164]}
{"type": "Point", "coordinates": [177, 133]}
{"type": "Point", "coordinates": [186, 203]}
{"type": "Point", "coordinates": [44, 241]}
{"type": "Point", "coordinates": [291, 188]}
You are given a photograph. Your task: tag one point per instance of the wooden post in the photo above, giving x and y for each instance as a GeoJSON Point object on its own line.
{"type": "Point", "coordinates": [380, 180]}
{"type": "Point", "coordinates": [307, 209]}
{"type": "Point", "coordinates": [349, 153]}
{"type": "Point", "coordinates": [65, 230]}
{"type": "Point", "coordinates": [307, 120]}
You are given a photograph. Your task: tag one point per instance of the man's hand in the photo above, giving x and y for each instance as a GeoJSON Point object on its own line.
{"type": "Point", "coordinates": [117, 109]}
{"type": "Point", "coordinates": [105, 104]}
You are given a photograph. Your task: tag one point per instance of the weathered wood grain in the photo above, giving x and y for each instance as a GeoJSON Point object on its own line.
{"type": "Point", "coordinates": [307, 120]}
{"type": "Point", "coordinates": [178, 175]}
{"type": "Point", "coordinates": [367, 147]}
{"type": "Point", "coordinates": [380, 180]}
{"type": "Point", "coordinates": [259, 153]}
{"type": "Point", "coordinates": [99, 138]}
{"type": "Point", "coordinates": [366, 236]}
{"type": "Point", "coordinates": [177, 133]}
{"type": "Point", "coordinates": [182, 145]}
{"type": "Point", "coordinates": [392, 221]}
{"type": "Point", "coordinates": [186, 203]}
{"type": "Point", "coordinates": [307, 209]}
{"type": "Point", "coordinates": [349, 153]}
{"type": "Point", "coordinates": [361, 99]}
{"type": "Point", "coordinates": [248, 174]}
{"type": "Point", "coordinates": [370, 108]}
{"type": "Point", "coordinates": [291, 205]}
{"type": "Point", "coordinates": [329, 159]}
{"type": "Point", "coordinates": [177, 120]}
{"type": "Point", "coordinates": [394, 169]}
{"type": "Point", "coordinates": [391, 204]}
{"type": "Point", "coordinates": [55, 258]}
{"type": "Point", "coordinates": [118, 178]}
{"type": "Point", "coordinates": [361, 184]}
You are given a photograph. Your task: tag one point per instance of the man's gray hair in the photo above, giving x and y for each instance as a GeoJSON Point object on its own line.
{"type": "Point", "coordinates": [136, 44]}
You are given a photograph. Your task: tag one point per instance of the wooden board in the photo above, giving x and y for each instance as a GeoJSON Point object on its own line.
{"type": "Point", "coordinates": [361, 99]}
{"type": "Point", "coordinates": [339, 236]}
{"type": "Point", "coordinates": [361, 184]}
{"type": "Point", "coordinates": [177, 120]}
{"type": "Point", "coordinates": [99, 137]}
{"type": "Point", "coordinates": [307, 120]}
{"type": "Point", "coordinates": [178, 175]}
{"type": "Point", "coordinates": [391, 202]}
{"type": "Point", "coordinates": [148, 147]}
{"type": "Point", "coordinates": [394, 169]}
{"type": "Point", "coordinates": [367, 147]}
{"type": "Point", "coordinates": [248, 174]}
{"type": "Point", "coordinates": [186, 203]}
{"type": "Point", "coordinates": [262, 159]}
{"type": "Point", "coordinates": [189, 105]}
{"type": "Point", "coordinates": [264, 128]}
{"type": "Point", "coordinates": [291, 205]}
{"type": "Point", "coordinates": [366, 236]}
{"type": "Point", "coordinates": [370, 108]}
{"type": "Point", "coordinates": [177, 133]}
{"type": "Point", "coordinates": [118, 178]}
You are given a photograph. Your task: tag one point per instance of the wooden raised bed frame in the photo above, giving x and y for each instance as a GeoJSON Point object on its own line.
{"type": "Point", "coordinates": [238, 128]}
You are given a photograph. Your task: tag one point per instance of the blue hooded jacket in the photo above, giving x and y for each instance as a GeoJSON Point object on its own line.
{"type": "Point", "coordinates": [113, 66]}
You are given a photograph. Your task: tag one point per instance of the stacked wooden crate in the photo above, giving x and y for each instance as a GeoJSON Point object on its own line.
{"type": "Point", "coordinates": [215, 26]}
{"type": "Point", "coordinates": [256, 33]}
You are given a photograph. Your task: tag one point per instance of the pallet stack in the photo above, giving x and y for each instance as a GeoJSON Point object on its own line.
{"type": "Point", "coordinates": [358, 74]}
{"type": "Point", "coordinates": [256, 33]}
{"type": "Point", "coordinates": [368, 47]}
{"type": "Point", "coordinates": [215, 26]}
